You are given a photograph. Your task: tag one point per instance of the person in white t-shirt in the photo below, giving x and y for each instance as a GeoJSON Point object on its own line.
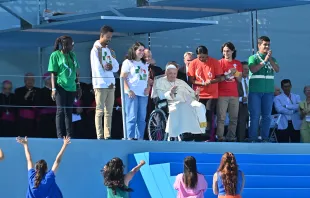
{"type": "Point", "coordinates": [103, 65]}
{"type": "Point", "coordinates": [135, 72]}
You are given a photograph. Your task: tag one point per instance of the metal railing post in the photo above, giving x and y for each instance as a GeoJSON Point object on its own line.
{"type": "Point", "coordinates": [123, 108]}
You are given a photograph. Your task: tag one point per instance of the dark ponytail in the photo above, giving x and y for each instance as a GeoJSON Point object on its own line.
{"type": "Point", "coordinates": [41, 168]}
{"type": "Point", "coordinates": [190, 174]}
{"type": "Point", "coordinates": [65, 42]}
{"type": "Point", "coordinates": [56, 45]}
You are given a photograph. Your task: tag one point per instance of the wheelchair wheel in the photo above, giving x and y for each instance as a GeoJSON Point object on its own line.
{"type": "Point", "coordinates": [157, 125]}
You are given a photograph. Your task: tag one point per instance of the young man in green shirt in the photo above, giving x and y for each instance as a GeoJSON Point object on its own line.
{"type": "Point", "coordinates": [261, 87]}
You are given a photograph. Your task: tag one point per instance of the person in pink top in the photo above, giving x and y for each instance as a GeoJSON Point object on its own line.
{"type": "Point", "coordinates": [190, 183]}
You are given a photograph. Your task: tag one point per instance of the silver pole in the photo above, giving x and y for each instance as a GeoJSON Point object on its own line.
{"type": "Point", "coordinates": [40, 64]}
{"type": "Point", "coordinates": [123, 107]}
{"type": "Point", "coordinates": [39, 12]}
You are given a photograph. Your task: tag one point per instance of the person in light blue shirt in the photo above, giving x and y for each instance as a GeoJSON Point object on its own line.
{"type": "Point", "coordinates": [41, 182]}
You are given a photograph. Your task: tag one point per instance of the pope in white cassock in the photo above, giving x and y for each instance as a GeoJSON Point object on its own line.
{"type": "Point", "coordinates": [186, 114]}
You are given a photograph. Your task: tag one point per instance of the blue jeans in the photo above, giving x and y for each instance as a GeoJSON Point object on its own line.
{"type": "Point", "coordinates": [260, 104]}
{"type": "Point", "coordinates": [135, 116]}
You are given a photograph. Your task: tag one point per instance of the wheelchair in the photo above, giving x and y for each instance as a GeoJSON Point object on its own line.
{"type": "Point", "coordinates": [157, 122]}
{"type": "Point", "coordinates": [156, 126]}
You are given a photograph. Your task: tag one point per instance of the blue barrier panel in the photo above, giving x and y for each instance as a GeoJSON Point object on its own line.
{"type": "Point", "coordinates": [262, 192]}
{"type": "Point", "coordinates": [257, 181]}
{"type": "Point", "coordinates": [250, 169]}
{"type": "Point", "coordinates": [263, 178]}
{"type": "Point", "coordinates": [79, 173]}
{"type": "Point", "coordinates": [137, 183]}
{"type": "Point", "coordinates": [157, 158]}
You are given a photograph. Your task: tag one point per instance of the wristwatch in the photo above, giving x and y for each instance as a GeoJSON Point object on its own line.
{"type": "Point", "coordinates": [53, 89]}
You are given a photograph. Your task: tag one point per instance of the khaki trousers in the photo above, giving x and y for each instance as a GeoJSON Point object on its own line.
{"type": "Point", "coordinates": [232, 105]}
{"type": "Point", "coordinates": [104, 105]}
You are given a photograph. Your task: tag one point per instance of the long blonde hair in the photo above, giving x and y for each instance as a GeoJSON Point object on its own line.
{"type": "Point", "coordinates": [229, 173]}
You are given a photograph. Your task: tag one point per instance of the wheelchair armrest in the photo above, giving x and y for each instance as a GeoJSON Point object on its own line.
{"type": "Point", "coordinates": [159, 103]}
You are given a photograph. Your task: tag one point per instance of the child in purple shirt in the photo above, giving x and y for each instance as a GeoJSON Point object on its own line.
{"type": "Point", "coordinates": [190, 183]}
{"type": "Point", "coordinates": [41, 183]}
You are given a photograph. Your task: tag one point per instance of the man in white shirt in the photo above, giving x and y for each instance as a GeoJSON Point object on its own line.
{"type": "Point", "coordinates": [103, 66]}
{"type": "Point", "coordinates": [287, 104]}
{"type": "Point", "coordinates": [243, 115]}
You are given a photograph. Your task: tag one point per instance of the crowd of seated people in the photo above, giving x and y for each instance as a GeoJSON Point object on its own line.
{"type": "Point", "coordinates": [34, 114]}
{"type": "Point", "coordinates": [222, 88]}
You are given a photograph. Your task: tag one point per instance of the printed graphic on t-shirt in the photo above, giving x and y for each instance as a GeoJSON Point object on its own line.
{"type": "Point", "coordinates": [106, 57]}
{"type": "Point", "coordinates": [67, 66]}
{"type": "Point", "coordinates": [141, 72]}
{"type": "Point", "coordinates": [210, 75]}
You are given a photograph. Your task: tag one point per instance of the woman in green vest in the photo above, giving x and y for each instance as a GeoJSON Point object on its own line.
{"type": "Point", "coordinates": [116, 181]}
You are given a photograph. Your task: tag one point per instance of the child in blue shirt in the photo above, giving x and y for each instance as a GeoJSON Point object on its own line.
{"type": "Point", "coordinates": [41, 182]}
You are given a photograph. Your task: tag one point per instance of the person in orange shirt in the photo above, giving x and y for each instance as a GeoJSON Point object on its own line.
{"type": "Point", "coordinates": [204, 73]}
{"type": "Point", "coordinates": [228, 93]}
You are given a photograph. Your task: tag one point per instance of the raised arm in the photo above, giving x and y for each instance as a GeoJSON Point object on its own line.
{"type": "Point", "coordinates": [60, 154]}
{"type": "Point", "coordinates": [24, 142]}
{"type": "Point", "coordinates": [1, 155]}
{"type": "Point", "coordinates": [129, 176]}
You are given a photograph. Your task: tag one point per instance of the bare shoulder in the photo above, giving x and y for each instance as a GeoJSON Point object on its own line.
{"type": "Point", "coordinates": [179, 176]}
{"type": "Point", "coordinates": [215, 176]}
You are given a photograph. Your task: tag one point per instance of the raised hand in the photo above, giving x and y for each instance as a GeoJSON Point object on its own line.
{"type": "Point", "coordinates": [174, 89]}
{"type": "Point", "coordinates": [66, 140]}
{"type": "Point", "coordinates": [268, 56]}
{"type": "Point", "coordinates": [142, 162]}
{"type": "Point", "coordinates": [22, 141]}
